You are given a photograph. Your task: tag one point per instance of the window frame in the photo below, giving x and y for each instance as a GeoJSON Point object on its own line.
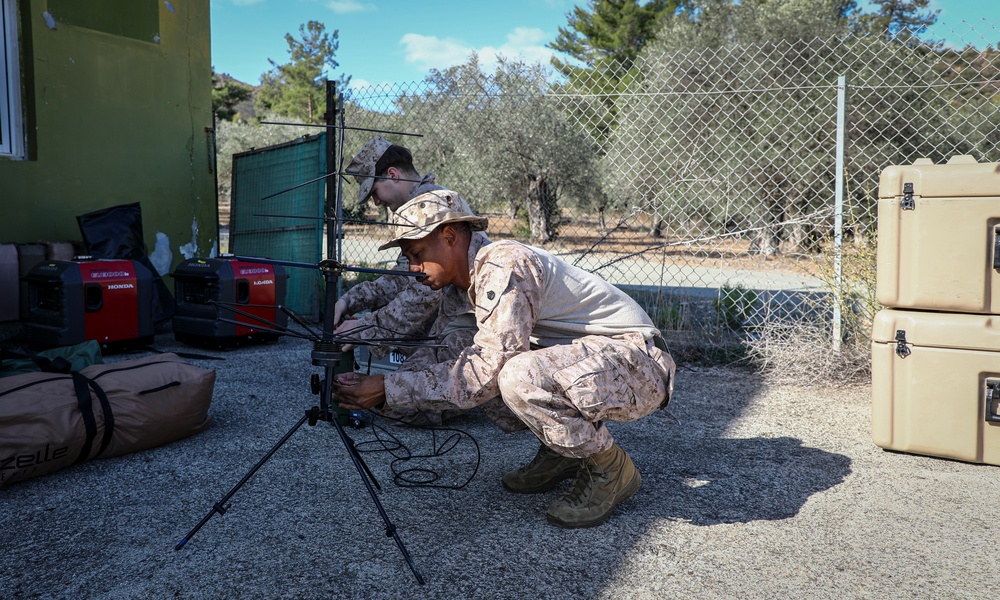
{"type": "Point", "coordinates": [11, 110]}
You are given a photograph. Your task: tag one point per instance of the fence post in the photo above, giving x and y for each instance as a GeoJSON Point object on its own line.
{"type": "Point", "coordinates": [838, 213]}
{"type": "Point", "coordinates": [331, 210]}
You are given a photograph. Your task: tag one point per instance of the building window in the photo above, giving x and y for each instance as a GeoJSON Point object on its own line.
{"type": "Point", "coordinates": [11, 134]}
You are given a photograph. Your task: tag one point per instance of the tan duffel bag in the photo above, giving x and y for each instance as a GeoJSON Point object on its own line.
{"type": "Point", "coordinates": [52, 420]}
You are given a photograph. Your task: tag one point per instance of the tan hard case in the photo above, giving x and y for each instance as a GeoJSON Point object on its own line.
{"type": "Point", "coordinates": [936, 384]}
{"type": "Point", "coordinates": [938, 236]}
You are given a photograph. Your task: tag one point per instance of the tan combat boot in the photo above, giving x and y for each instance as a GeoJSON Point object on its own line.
{"type": "Point", "coordinates": [603, 482]}
{"type": "Point", "coordinates": [543, 472]}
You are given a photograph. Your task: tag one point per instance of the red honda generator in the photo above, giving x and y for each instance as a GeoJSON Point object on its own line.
{"type": "Point", "coordinates": [107, 300]}
{"type": "Point", "coordinates": [227, 301]}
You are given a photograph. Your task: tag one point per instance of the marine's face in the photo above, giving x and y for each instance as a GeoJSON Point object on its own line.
{"type": "Point", "coordinates": [432, 257]}
{"type": "Point", "coordinates": [393, 192]}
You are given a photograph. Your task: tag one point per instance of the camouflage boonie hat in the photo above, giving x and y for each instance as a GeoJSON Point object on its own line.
{"type": "Point", "coordinates": [423, 214]}
{"type": "Point", "coordinates": [363, 164]}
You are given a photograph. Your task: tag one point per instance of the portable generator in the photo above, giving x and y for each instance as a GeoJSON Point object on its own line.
{"type": "Point", "coordinates": [219, 298]}
{"type": "Point", "coordinates": [107, 300]}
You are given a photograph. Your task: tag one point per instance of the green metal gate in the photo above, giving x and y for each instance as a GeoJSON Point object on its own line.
{"type": "Point", "coordinates": [289, 225]}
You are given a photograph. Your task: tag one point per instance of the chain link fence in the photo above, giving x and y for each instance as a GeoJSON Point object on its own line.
{"type": "Point", "coordinates": [721, 187]}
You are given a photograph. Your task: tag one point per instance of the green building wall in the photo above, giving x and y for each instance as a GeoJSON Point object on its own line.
{"type": "Point", "coordinates": [118, 109]}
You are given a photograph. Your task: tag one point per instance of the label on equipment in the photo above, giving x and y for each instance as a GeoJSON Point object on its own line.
{"type": "Point", "coordinates": [396, 358]}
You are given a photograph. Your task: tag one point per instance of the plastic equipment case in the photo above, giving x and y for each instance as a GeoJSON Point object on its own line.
{"type": "Point", "coordinates": [70, 302]}
{"type": "Point", "coordinates": [939, 236]}
{"type": "Point", "coordinates": [249, 287]}
{"type": "Point", "coordinates": [365, 363]}
{"type": "Point", "coordinates": [936, 384]}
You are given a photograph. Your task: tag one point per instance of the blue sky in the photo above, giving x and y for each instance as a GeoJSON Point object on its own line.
{"type": "Point", "coordinates": [398, 41]}
{"type": "Point", "coordinates": [384, 41]}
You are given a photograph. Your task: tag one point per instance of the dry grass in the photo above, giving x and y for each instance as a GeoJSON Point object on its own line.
{"type": "Point", "coordinates": [803, 351]}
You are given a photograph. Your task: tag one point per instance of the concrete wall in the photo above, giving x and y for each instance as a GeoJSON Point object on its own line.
{"type": "Point", "coordinates": [115, 113]}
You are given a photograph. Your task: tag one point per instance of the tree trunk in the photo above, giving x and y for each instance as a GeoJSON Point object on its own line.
{"type": "Point", "coordinates": [541, 206]}
{"type": "Point", "coordinates": [773, 195]}
{"type": "Point", "coordinates": [656, 227]}
{"type": "Point", "coordinates": [805, 235]}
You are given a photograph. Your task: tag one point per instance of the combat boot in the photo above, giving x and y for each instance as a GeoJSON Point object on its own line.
{"type": "Point", "coordinates": [544, 471]}
{"type": "Point", "coordinates": [603, 482]}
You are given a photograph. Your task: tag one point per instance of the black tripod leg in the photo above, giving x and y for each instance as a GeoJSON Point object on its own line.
{"type": "Point", "coordinates": [219, 506]}
{"type": "Point", "coordinates": [390, 529]}
{"type": "Point", "coordinates": [353, 450]}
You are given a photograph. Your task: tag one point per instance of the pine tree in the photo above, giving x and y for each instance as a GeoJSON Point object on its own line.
{"type": "Point", "coordinates": [298, 88]}
{"type": "Point", "coordinates": [895, 17]}
{"type": "Point", "coordinates": [610, 31]}
{"type": "Point", "coordinates": [605, 40]}
{"type": "Point", "coordinates": [227, 94]}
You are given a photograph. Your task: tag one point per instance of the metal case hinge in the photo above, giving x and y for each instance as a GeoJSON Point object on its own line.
{"type": "Point", "coordinates": [992, 401]}
{"type": "Point", "coordinates": [902, 350]}
{"type": "Point", "coordinates": [907, 203]}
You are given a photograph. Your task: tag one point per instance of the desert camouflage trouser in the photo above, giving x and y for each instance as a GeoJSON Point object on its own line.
{"type": "Point", "coordinates": [565, 393]}
{"type": "Point", "coordinates": [455, 341]}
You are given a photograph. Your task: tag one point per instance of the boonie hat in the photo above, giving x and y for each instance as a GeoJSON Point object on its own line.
{"type": "Point", "coordinates": [425, 213]}
{"type": "Point", "coordinates": [363, 164]}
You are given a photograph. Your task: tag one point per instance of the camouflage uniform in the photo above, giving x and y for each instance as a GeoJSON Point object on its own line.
{"type": "Point", "coordinates": [403, 307]}
{"type": "Point", "coordinates": [562, 378]}
{"type": "Point", "coordinates": [455, 329]}
{"type": "Point", "coordinates": [400, 306]}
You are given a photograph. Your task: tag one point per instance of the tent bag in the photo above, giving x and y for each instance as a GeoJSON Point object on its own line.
{"type": "Point", "coordinates": [49, 421]}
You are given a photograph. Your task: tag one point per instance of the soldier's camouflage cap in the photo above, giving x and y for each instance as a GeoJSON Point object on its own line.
{"type": "Point", "coordinates": [425, 213]}
{"type": "Point", "coordinates": [363, 164]}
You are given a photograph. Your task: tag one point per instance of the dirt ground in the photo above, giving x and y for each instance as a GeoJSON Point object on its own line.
{"type": "Point", "coordinates": [709, 250]}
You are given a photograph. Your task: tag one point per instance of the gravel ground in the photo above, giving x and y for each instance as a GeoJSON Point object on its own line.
{"type": "Point", "coordinates": [749, 490]}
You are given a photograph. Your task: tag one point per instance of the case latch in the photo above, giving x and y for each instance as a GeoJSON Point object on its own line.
{"type": "Point", "coordinates": [902, 350]}
{"type": "Point", "coordinates": [992, 412]}
{"type": "Point", "coordinates": [996, 247]}
{"type": "Point", "coordinates": [907, 203]}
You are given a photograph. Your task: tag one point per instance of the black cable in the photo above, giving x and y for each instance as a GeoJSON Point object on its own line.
{"type": "Point", "coordinates": [416, 477]}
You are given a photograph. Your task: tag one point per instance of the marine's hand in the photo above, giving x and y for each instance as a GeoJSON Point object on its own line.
{"type": "Point", "coordinates": [338, 311]}
{"type": "Point", "coordinates": [359, 392]}
{"type": "Point", "coordinates": [344, 329]}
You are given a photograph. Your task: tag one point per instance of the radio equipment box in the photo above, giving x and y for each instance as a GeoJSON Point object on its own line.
{"type": "Point", "coordinates": [936, 384]}
{"type": "Point", "coordinates": [70, 302]}
{"type": "Point", "coordinates": [365, 362]}
{"type": "Point", "coordinates": [205, 288]}
{"type": "Point", "coordinates": [939, 236]}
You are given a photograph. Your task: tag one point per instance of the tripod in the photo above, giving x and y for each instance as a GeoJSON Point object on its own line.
{"type": "Point", "coordinates": [325, 354]}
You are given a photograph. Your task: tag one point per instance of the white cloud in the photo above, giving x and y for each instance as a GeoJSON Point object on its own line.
{"type": "Point", "coordinates": [344, 7]}
{"type": "Point", "coordinates": [430, 52]}
{"type": "Point", "coordinates": [358, 83]}
{"type": "Point", "coordinates": [526, 44]}
{"type": "Point", "coordinates": [526, 37]}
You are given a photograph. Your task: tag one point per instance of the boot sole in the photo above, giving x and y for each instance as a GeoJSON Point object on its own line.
{"type": "Point", "coordinates": [538, 489]}
{"type": "Point", "coordinates": [630, 489]}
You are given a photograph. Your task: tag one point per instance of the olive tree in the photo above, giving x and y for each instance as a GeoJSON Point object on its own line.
{"type": "Point", "coordinates": [502, 141]}
{"type": "Point", "coordinates": [733, 123]}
